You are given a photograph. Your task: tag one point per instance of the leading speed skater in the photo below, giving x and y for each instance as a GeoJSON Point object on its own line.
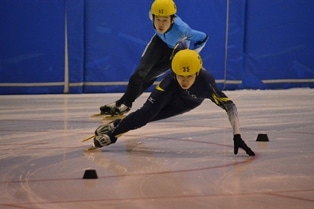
{"type": "Point", "coordinates": [184, 88]}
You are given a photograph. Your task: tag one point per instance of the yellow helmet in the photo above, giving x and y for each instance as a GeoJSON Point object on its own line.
{"type": "Point", "coordinates": [186, 62]}
{"type": "Point", "coordinates": [163, 8]}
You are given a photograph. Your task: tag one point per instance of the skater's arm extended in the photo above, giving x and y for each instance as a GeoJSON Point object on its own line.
{"type": "Point", "coordinates": [220, 99]}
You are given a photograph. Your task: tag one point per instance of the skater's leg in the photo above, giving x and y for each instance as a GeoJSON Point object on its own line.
{"type": "Point", "coordinates": [155, 58]}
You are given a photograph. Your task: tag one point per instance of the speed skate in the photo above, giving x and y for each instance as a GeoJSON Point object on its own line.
{"type": "Point", "coordinates": [91, 147]}
{"type": "Point", "coordinates": [107, 117]}
{"type": "Point", "coordinates": [100, 136]}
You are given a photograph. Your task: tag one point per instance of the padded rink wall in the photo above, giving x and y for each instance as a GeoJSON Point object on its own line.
{"type": "Point", "coordinates": [93, 46]}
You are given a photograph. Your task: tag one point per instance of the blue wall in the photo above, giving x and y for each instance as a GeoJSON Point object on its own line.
{"type": "Point", "coordinates": [31, 46]}
{"type": "Point", "coordinates": [254, 44]}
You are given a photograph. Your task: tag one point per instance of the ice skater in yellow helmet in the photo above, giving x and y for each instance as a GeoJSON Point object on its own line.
{"type": "Point", "coordinates": [182, 89]}
{"type": "Point", "coordinates": [169, 29]}
{"type": "Point", "coordinates": [186, 62]}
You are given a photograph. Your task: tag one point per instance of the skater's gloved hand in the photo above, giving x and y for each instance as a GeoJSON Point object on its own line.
{"type": "Point", "coordinates": [239, 143]}
{"type": "Point", "coordinates": [181, 44]}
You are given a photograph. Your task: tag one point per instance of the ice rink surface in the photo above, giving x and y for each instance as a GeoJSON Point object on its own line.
{"type": "Point", "coordinates": [183, 162]}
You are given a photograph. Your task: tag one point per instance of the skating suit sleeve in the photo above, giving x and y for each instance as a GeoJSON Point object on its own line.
{"type": "Point", "coordinates": [196, 40]}
{"type": "Point", "coordinates": [221, 100]}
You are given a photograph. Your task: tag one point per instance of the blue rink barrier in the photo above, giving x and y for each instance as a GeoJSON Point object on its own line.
{"type": "Point", "coordinates": [84, 46]}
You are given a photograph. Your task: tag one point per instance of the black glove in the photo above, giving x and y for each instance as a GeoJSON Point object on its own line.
{"type": "Point", "coordinates": [238, 142]}
{"type": "Point", "coordinates": [181, 44]}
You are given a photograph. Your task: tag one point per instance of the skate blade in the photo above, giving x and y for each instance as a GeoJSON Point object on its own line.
{"type": "Point", "coordinates": [113, 117]}
{"type": "Point", "coordinates": [90, 149]}
{"type": "Point", "coordinates": [96, 115]}
{"type": "Point", "coordinates": [88, 138]}
{"type": "Point", "coordinates": [107, 117]}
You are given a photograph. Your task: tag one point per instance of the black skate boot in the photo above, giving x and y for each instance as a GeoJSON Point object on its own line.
{"type": "Point", "coordinates": [108, 109]}
{"type": "Point", "coordinates": [103, 140]}
{"type": "Point", "coordinates": [105, 128]}
{"type": "Point", "coordinates": [121, 110]}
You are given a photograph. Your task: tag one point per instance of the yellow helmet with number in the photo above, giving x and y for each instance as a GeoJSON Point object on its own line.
{"type": "Point", "coordinates": [186, 62]}
{"type": "Point", "coordinates": [163, 8]}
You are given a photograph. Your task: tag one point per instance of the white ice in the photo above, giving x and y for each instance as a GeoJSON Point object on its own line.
{"type": "Point", "coordinates": [182, 162]}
